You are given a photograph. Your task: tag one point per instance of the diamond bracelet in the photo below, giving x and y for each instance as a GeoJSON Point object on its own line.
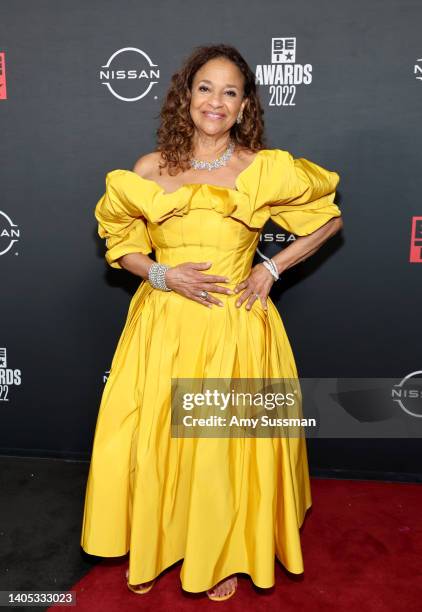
{"type": "Point", "coordinates": [156, 276]}
{"type": "Point", "coordinates": [270, 265]}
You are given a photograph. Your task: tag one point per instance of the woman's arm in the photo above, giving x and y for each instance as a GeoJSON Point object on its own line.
{"type": "Point", "coordinates": [305, 246]}
{"type": "Point", "coordinates": [137, 263]}
{"type": "Point", "coordinates": [185, 278]}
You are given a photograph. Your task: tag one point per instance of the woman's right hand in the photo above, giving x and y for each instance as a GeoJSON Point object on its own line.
{"type": "Point", "coordinates": [187, 280]}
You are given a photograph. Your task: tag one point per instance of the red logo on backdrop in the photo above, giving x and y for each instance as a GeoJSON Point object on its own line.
{"type": "Point", "coordinates": [416, 241]}
{"type": "Point", "coordinates": [3, 90]}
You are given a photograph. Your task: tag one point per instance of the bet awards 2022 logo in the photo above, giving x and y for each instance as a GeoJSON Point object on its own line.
{"type": "Point", "coordinates": [8, 376]}
{"type": "Point", "coordinates": [9, 233]}
{"type": "Point", "coordinates": [284, 74]}
{"type": "Point", "coordinates": [129, 74]}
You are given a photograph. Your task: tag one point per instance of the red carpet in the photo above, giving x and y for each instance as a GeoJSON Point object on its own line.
{"type": "Point", "coordinates": [362, 547]}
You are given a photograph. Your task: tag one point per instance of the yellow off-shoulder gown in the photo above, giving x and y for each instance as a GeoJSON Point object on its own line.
{"type": "Point", "coordinates": [223, 505]}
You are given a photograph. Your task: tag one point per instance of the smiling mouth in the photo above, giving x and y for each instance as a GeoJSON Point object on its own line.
{"type": "Point", "coordinates": [213, 115]}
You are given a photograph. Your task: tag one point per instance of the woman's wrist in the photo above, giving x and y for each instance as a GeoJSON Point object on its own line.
{"type": "Point", "coordinates": [270, 265]}
{"type": "Point", "coordinates": [270, 274]}
{"type": "Point", "coordinates": [278, 264]}
{"type": "Point", "coordinates": [157, 276]}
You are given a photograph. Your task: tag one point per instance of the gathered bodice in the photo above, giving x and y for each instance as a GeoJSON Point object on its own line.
{"type": "Point", "coordinates": [205, 222]}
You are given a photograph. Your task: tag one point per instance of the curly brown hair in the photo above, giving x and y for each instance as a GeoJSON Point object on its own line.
{"type": "Point", "coordinates": [174, 135]}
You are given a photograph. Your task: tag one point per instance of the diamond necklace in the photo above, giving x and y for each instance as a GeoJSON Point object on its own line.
{"type": "Point", "coordinates": [215, 163]}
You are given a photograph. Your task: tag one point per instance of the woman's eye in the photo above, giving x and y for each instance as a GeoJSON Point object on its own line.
{"type": "Point", "coordinates": [205, 88]}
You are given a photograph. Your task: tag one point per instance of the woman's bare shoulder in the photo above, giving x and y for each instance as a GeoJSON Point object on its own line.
{"type": "Point", "coordinates": [245, 154]}
{"type": "Point", "coordinates": [245, 157]}
{"type": "Point", "coordinates": [147, 165]}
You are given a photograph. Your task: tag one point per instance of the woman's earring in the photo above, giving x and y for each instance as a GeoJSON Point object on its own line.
{"type": "Point", "coordinates": [239, 117]}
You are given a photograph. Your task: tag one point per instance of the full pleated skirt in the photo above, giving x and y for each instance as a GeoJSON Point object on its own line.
{"type": "Point", "coordinates": [223, 505]}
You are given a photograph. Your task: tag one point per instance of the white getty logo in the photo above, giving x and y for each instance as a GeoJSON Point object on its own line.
{"type": "Point", "coordinates": [283, 74]}
{"type": "Point", "coordinates": [9, 233]}
{"type": "Point", "coordinates": [129, 74]}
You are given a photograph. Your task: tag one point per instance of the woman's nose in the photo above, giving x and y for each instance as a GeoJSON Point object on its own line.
{"type": "Point", "coordinates": [216, 100]}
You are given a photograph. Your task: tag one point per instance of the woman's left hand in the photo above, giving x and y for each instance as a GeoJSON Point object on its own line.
{"type": "Point", "coordinates": [259, 282]}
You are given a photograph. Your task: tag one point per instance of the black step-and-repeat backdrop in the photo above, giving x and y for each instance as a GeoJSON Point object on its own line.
{"type": "Point", "coordinates": [81, 85]}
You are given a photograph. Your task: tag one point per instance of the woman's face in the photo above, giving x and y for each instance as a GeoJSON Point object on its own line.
{"type": "Point", "coordinates": [217, 96]}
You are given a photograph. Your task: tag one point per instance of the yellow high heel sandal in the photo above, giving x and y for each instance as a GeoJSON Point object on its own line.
{"type": "Point", "coordinates": [140, 590]}
{"type": "Point", "coordinates": [222, 597]}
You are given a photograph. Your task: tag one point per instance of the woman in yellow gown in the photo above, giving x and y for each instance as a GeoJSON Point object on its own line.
{"type": "Point", "coordinates": [223, 505]}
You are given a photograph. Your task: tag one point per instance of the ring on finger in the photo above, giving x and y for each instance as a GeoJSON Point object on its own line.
{"type": "Point", "coordinates": [204, 295]}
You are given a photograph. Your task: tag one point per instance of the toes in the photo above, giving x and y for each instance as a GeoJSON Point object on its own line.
{"type": "Point", "coordinates": [224, 588]}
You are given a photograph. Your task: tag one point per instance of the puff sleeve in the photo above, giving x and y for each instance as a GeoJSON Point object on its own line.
{"type": "Point", "coordinates": [302, 194]}
{"type": "Point", "coordinates": [120, 222]}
